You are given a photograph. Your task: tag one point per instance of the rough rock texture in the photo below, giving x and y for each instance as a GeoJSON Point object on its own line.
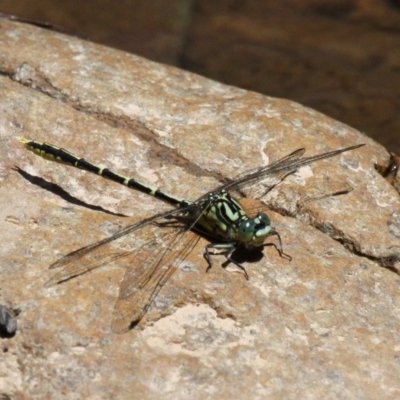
{"type": "Point", "coordinates": [338, 56]}
{"type": "Point", "coordinates": [325, 325]}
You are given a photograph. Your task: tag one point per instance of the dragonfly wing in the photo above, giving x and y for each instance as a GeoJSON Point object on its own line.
{"type": "Point", "coordinates": [86, 263]}
{"type": "Point", "coordinates": [272, 174]}
{"type": "Point", "coordinates": [97, 254]}
{"type": "Point", "coordinates": [152, 267]}
{"type": "Point", "coordinates": [255, 175]}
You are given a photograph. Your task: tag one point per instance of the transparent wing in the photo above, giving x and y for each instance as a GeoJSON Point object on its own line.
{"type": "Point", "coordinates": [275, 172]}
{"type": "Point", "coordinates": [157, 262]}
{"type": "Point", "coordinates": [150, 260]}
{"type": "Point", "coordinates": [99, 253]}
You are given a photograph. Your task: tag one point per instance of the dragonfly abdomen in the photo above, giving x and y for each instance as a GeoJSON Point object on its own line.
{"type": "Point", "coordinates": [62, 156]}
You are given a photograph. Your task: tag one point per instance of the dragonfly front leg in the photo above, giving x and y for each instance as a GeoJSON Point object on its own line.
{"type": "Point", "coordinates": [280, 248]}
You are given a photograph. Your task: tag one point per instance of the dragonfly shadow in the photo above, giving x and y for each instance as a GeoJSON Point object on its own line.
{"type": "Point", "coordinates": [59, 191]}
{"type": "Point", "coordinates": [242, 255]}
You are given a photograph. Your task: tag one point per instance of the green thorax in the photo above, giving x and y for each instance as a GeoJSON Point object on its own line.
{"type": "Point", "coordinates": [225, 219]}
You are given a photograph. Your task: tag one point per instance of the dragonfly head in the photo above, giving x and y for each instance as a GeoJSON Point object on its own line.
{"type": "Point", "coordinates": [253, 231]}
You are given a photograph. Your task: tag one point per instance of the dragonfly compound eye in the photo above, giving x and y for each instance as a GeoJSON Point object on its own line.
{"type": "Point", "coordinates": [254, 229]}
{"type": "Point", "coordinates": [262, 225]}
{"type": "Point", "coordinates": [246, 230]}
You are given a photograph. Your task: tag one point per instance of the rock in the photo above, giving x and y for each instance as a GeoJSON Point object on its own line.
{"type": "Point", "coordinates": [391, 172]}
{"type": "Point", "coordinates": [8, 325]}
{"type": "Point", "coordinates": [326, 322]}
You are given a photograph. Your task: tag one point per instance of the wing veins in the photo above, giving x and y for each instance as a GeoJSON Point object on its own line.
{"type": "Point", "coordinates": [138, 292]}
{"type": "Point", "coordinates": [79, 253]}
{"type": "Point", "coordinates": [280, 168]}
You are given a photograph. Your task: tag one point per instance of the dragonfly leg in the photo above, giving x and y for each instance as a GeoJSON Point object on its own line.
{"type": "Point", "coordinates": [229, 249]}
{"type": "Point", "coordinates": [280, 248]}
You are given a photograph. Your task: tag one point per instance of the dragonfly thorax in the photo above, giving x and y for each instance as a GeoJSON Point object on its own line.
{"type": "Point", "coordinates": [224, 218]}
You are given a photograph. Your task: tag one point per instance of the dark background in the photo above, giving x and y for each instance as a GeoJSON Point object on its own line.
{"type": "Point", "coordinates": [341, 57]}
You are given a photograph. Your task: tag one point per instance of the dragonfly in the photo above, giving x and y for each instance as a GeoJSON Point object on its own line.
{"type": "Point", "coordinates": [168, 236]}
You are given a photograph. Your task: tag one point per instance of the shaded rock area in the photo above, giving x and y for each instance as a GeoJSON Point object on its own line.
{"type": "Point", "coordinates": [8, 325]}
{"type": "Point", "coordinates": [338, 56]}
{"type": "Point", "coordinates": [326, 324]}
